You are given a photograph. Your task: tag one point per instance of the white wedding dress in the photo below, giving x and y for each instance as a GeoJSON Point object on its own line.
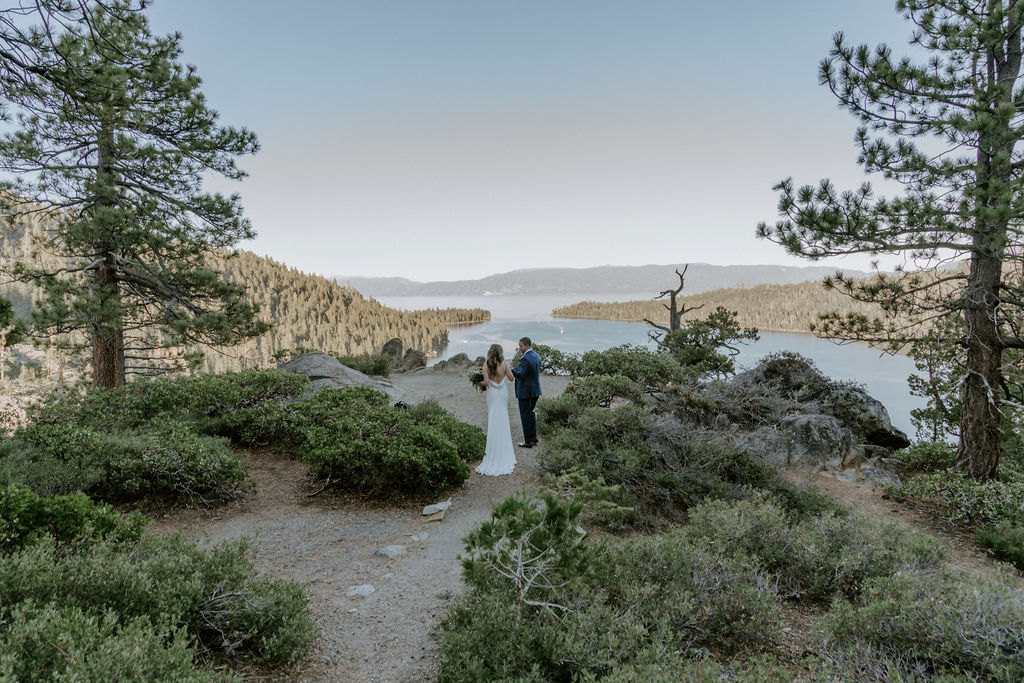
{"type": "Point", "coordinates": [500, 456]}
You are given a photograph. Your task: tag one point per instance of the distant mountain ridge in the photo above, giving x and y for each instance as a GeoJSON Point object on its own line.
{"type": "Point", "coordinates": [700, 277]}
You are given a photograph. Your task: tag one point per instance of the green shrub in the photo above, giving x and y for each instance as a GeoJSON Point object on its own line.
{"type": "Point", "coordinates": [962, 500]}
{"type": "Point", "coordinates": [524, 547]}
{"type": "Point", "coordinates": [601, 390]}
{"type": "Point", "coordinates": [176, 463]}
{"type": "Point", "coordinates": [59, 643]}
{"type": "Point", "coordinates": [650, 369]}
{"type": "Point", "coordinates": [369, 363]}
{"type": "Point", "coordinates": [602, 504]}
{"type": "Point", "coordinates": [925, 626]}
{"type": "Point", "coordinates": [814, 557]}
{"type": "Point", "coordinates": [31, 464]}
{"type": "Point", "coordinates": [544, 606]}
{"type": "Point", "coordinates": [927, 456]}
{"type": "Point", "coordinates": [557, 412]}
{"type": "Point", "coordinates": [1005, 540]}
{"type": "Point", "coordinates": [470, 441]}
{"type": "Point", "coordinates": [25, 517]}
{"type": "Point", "coordinates": [366, 446]}
{"type": "Point", "coordinates": [185, 398]}
{"type": "Point", "coordinates": [214, 594]}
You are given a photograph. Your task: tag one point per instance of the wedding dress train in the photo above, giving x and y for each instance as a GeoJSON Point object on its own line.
{"type": "Point", "coordinates": [500, 456]}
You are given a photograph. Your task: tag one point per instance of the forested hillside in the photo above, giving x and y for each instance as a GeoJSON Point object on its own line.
{"type": "Point", "coordinates": [306, 311]}
{"type": "Point", "coordinates": [310, 311]}
{"type": "Point", "coordinates": [779, 308]}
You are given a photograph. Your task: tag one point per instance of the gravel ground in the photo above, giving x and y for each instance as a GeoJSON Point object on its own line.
{"type": "Point", "coordinates": [330, 545]}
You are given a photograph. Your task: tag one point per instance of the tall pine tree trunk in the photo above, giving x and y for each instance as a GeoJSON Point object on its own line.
{"type": "Point", "coordinates": [107, 336]}
{"type": "Point", "coordinates": [980, 423]}
{"type": "Point", "coordinates": [107, 333]}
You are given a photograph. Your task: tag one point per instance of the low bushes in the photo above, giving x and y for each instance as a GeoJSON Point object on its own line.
{"type": "Point", "coordinates": [81, 588]}
{"type": "Point", "coordinates": [170, 439]}
{"type": "Point", "coordinates": [369, 363]}
{"type": "Point", "coordinates": [660, 469]}
{"type": "Point", "coordinates": [25, 517]}
{"type": "Point", "coordinates": [923, 626]}
{"type": "Point", "coordinates": [815, 557]}
{"type": "Point", "coordinates": [545, 606]}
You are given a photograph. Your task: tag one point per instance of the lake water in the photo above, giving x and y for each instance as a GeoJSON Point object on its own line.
{"type": "Point", "coordinates": [512, 317]}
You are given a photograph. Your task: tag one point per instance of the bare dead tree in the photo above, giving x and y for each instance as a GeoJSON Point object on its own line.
{"type": "Point", "coordinates": [676, 310]}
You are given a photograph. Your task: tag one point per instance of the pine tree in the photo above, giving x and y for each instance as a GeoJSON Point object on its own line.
{"type": "Point", "coordinates": [948, 131]}
{"type": "Point", "coordinates": [112, 140]}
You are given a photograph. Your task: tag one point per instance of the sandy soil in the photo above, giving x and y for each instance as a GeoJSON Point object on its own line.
{"type": "Point", "coordinates": [329, 544]}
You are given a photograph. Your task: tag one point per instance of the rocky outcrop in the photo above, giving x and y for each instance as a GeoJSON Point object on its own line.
{"type": "Point", "coordinates": [325, 372]}
{"type": "Point", "coordinates": [393, 348]}
{"type": "Point", "coordinates": [827, 426]}
{"type": "Point", "coordinates": [414, 359]}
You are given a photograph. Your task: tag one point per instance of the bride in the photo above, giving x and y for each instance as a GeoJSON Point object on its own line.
{"type": "Point", "coordinates": [500, 457]}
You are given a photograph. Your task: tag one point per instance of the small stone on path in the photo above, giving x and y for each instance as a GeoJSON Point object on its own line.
{"type": "Point", "coordinates": [437, 507]}
{"type": "Point", "coordinates": [362, 591]}
{"type": "Point", "coordinates": [420, 537]}
{"type": "Point", "coordinates": [391, 551]}
{"type": "Point", "coordinates": [436, 517]}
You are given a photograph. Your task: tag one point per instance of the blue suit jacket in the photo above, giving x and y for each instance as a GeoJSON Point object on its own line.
{"type": "Point", "coordinates": [528, 375]}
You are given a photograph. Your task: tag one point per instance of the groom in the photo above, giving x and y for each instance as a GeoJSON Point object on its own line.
{"type": "Point", "coordinates": [528, 390]}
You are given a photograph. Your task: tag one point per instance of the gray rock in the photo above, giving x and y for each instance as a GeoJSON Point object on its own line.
{"type": "Point", "coordinates": [847, 476]}
{"type": "Point", "coordinates": [459, 361]}
{"type": "Point", "coordinates": [437, 507]}
{"type": "Point", "coordinates": [413, 359]}
{"type": "Point", "coordinates": [816, 440]}
{"type": "Point", "coordinates": [856, 456]}
{"type": "Point", "coordinates": [880, 477]}
{"type": "Point", "coordinates": [393, 347]}
{"type": "Point", "coordinates": [325, 372]}
{"type": "Point", "coordinates": [865, 415]}
{"type": "Point", "coordinates": [419, 538]}
{"type": "Point", "coordinates": [361, 591]}
{"type": "Point", "coordinates": [391, 551]}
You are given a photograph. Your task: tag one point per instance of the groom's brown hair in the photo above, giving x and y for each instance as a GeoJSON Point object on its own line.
{"type": "Point", "coordinates": [526, 340]}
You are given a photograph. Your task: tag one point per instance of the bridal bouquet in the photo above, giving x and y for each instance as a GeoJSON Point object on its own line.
{"type": "Point", "coordinates": [477, 379]}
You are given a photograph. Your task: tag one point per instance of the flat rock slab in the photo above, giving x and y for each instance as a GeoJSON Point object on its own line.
{"type": "Point", "coordinates": [436, 507]}
{"type": "Point", "coordinates": [391, 551]}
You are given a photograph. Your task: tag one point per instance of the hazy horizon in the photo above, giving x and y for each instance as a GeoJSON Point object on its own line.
{"type": "Point", "coordinates": [453, 139]}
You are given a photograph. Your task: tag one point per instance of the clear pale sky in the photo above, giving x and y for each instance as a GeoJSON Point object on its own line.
{"type": "Point", "coordinates": [452, 139]}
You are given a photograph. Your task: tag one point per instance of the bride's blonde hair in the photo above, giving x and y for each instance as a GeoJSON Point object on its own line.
{"type": "Point", "coordinates": [495, 356]}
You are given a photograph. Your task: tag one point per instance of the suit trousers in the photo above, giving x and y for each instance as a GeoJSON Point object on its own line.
{"type": "Point", "coordinates": [528, 418]}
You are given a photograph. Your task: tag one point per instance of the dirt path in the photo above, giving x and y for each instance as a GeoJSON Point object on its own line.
{"type": "Point", "coordinates": [330, 546]}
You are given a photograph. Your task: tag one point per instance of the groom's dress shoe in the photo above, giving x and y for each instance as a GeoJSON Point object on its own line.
{"type": "Point", "coordinates": [526, 444]}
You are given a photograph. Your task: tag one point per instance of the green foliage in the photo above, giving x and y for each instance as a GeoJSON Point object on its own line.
{"type": "Point", "coordinates": [119, 138]}
{"type": "Point", "coordinates": [470, 441]}
{"type": "Point", "coordinates": [1005, 539]}
{"type": "Point", "coordinates": [602, 504]}
{"type": "Point", "coordinates": [362, 444]}
{"type": "Point", "coordinates": [815, 557]}
{"type": "Point", "coordinates": [545, 606]}
{"type": "Point", "coordinates": [657, 468]}
{"type": "Point", "coordinates": [11, 328]}
{"type": "Point", "coordinates": [601, 390]}
{"type": "Point", "coordinates": [378, 364]}
{"type": "Point", "coordinates": [926, 626]}
{"type": "Point", "coordinates": [706, 346]}
{"type": "Point", "coordinates": [25, 517]}
{"type": "Point", "coordinates": [553, 361]}
{"type": "Point", "coordinates": [961, 500]}
{"type": "Point", "coordinates": [58, 643]}
{"type": "Point", "coordinates": [650, 369]}
{"type": "Point", "coordinates": [168, 581]}
{"type": "Point", "coordinates": [926, 456]}
{"type": "Point", "coordinates": [172, 462]}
